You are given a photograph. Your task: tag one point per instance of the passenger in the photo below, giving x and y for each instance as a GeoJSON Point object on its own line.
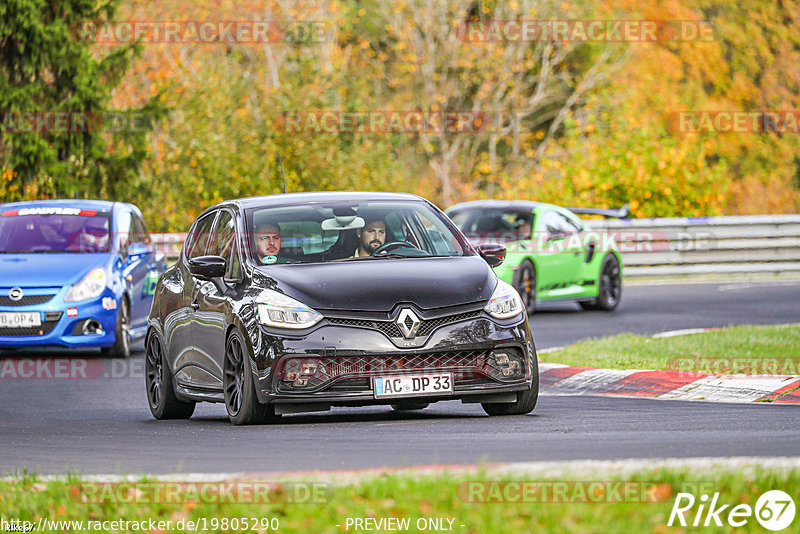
{"type": "Point", "coordinates": [268, 243]}
{"type": "Point", "coordinates": [370, 238]}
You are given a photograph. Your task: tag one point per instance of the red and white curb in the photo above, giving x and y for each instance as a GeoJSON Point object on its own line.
{"type": "Point", "coordinates": [558, 379]}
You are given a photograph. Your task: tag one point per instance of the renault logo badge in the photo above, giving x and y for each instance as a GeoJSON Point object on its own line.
{"type": "Point", "coordinates": [15, 294]}
{"type": "Point", "coordinates": [408, 323]}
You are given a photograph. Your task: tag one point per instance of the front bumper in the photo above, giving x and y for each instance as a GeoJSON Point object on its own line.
{"type": "Point", "coordinates": [352, 357]}
{"type": "Point", "coordinates": [62, 322]}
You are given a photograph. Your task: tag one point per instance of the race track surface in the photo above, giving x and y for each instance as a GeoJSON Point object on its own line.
{"type": "Point", "coordinates": [102, 425]}
{"type": "Point", "coordinates": [650, 309]}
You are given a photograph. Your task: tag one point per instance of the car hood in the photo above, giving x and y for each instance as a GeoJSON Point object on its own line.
{"type": "Point", "coordinates": [47, 270]}
{"type": "Point", "coordinates": [379, 285]}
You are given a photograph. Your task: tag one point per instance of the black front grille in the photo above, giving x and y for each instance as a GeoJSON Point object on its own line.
{"type": "Point", "coordinates": [26, 300]}
{"type": "Point", "coordinates": [390, 328]}
{"type": "Point", "coordinates": [387, 327]}
{"type": "Point", "coordinates": [45, 328]}
{"type": "Point", "coordinates": [427, 327]}
{"type": "Point", "coordinates": [353, 373]}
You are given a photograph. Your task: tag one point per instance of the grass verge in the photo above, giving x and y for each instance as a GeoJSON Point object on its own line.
{"type": "Point", "coordinates": [773, 349]}
{"type": "Point", "coordinates": [641, 503]}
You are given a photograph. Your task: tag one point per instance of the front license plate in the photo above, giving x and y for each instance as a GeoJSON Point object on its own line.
{"type": "Point", "coordinates": [20, 319]}
{"type": "Point", "coordinates": [412, 385]}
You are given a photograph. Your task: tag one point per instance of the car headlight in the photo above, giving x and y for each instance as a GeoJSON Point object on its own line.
{"type": "Point", "coordinates": [505, 302]}
{"type": "Point", "coordinates": [91, 286]}
{"type": "Point", "coordinates": [279, 311]}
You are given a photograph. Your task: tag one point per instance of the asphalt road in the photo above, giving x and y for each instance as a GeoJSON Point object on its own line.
{"type": "Point", "coordinates": [650, 309]}
{"type": "Point", "coordinates": [102, 425]}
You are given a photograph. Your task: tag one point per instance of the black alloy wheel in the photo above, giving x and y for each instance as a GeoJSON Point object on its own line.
{"type": "Point", "coordinates": [610, 290]}
{"type": "Point", "coordinates": [160, 393]}
{"type": "Point", "coordinates": [241, 400]}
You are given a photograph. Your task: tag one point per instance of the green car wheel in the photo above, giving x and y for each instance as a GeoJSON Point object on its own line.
{"type": "Point", "coordinates": [610, 287]}
{"type": "Point", "coordinates": [525, 284]}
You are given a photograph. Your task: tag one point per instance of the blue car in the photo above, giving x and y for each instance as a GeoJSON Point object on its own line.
{"type": "Point", "coordinates": [74, 273]}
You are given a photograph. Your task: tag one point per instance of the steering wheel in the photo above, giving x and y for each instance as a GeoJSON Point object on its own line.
{"type": "Point", "coordinates": [391, 246]}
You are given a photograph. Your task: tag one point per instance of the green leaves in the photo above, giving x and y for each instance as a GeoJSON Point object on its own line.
{"type": "Point", "coordinates": [46, 69]}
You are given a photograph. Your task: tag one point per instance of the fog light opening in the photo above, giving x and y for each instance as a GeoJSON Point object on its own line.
{"type": "Point", "coordinates": [92, 327]}
{"type": "Point", "coordinates": [308, 369]}
{"type": "Point", "coordinates": [508, 364]}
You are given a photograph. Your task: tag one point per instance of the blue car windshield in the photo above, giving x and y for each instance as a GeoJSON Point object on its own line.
{"type": "Point", "coordinates": [32, 230]}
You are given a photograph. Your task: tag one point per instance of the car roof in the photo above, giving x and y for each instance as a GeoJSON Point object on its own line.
{"type": "Point", "coordinates": [529, 205]}
{"type": "Point", "coordinates": [98, 205]}
{"type": "Point", "coordinates": [295, 199]}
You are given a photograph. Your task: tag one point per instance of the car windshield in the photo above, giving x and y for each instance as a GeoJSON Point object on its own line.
{"type": "Point", "coordinates": [351, 231]}
{"type": "Point", "coordinates": [31, 230]}
{"type": "Point", "coordinates": [501, 224]}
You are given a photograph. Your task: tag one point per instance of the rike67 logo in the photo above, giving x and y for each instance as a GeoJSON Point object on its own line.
{"type": "Point", "coordinates": [774, 510]}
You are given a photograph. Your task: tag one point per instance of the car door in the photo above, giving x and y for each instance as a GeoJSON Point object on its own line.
{"type": "Point", "coordinates": [133, 265]}
{"type": "Point", "coordinates": [210, 321]}
{"type": "Point", "coordinates": [178, 325]}
{"type": "Point", "coordinates": [559, 256]}
{"type": "Point", "coordinates": [144, 272]}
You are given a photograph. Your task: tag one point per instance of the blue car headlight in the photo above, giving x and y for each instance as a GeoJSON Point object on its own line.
{"type": "Point", "coordinates": [279, 311]}
{"type": "Point", "coordinates": [505, 302]}
{"type": "Point", "coordinates": [92, 285]}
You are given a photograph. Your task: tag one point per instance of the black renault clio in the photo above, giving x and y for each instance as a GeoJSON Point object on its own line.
{"type": "Point", "coordinates": [296, 303]}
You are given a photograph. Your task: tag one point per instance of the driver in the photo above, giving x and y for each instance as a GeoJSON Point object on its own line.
{"type": "Point", "coordinates": [370, 238]}
{"type": "Point", "coordinates": [524, 227]}
{"type": "Point", "coordinates": [268, 243]}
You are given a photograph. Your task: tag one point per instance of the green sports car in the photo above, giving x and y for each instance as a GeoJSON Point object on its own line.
{"type": "Point", "coordinates": [552, 254]}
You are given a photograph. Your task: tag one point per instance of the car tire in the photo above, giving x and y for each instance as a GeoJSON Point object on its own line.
{"type": "Point", "coordinates": [158, 379]}
{"type": "Point", "coordinates": [122, 333]}
{"type": "Point", "coordinates": [525, 403]}
{"type": "Point", "coordinates": [410, 406]}
{"type": "Point", "coordinates": [609, 292]}
{"type": "Point", "coordinates": [525, 284]}
{"type": "Point", "coordinates": [241, 400]}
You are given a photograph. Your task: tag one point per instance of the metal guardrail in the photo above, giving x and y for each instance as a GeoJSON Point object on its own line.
{"type": "Point", "coordinates": [169, 244]}
{"type": "Point", "coordinates": [681, 246]}
{"type": "Point", "coordinates": [738, 245]}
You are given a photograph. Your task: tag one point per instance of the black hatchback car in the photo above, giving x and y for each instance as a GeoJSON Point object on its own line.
{"type": "Point", "coordinates": [296, 303]}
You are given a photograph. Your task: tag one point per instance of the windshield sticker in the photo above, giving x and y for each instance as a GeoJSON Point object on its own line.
{"type": "Point", "coordinates": [269, 259]}
{"type": "Point", "coordinates": [50, 211]}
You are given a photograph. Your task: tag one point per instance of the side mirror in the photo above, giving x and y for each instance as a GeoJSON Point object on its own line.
{"type": "Point", "coordinates": [136, 250]}
{"type": "Point", "coordinates": [208, 267]}
{"type": "Point", "coordinates": [493, 253]}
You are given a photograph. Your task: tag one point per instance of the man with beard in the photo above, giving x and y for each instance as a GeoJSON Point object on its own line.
{"type": "Point", "coordinates": [268, 243]}
{"type": "Point", "coordinates": [372, 236]}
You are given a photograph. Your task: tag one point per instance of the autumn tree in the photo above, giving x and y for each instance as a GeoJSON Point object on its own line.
{"type": "Point", "coordinates": [522, 85]}
{"type": "Point", "coordinates": [47, 68]}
